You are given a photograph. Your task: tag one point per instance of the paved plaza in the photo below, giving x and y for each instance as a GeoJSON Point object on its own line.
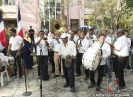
{"type": "Point", "coordinates": [54, 87]}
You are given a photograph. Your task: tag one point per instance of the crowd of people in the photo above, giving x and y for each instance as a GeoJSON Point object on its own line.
{"type": "Point", "coordinates": [65, 50]}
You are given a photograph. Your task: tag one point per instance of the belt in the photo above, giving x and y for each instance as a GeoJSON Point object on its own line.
{"type": "Point", "coordinates": [56, 52]}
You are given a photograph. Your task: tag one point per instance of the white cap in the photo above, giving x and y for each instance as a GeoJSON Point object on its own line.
{"type": "Point", "coordinates": [64, 35]}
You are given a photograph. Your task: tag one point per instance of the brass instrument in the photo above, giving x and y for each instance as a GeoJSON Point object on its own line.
{"type": "Point", "coordinates": [59, 26]}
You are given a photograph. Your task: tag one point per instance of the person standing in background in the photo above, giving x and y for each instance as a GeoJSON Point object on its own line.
{"type": "Point", "coordinates": [15, 46]}
{"type": "Point", "coordinates": [28, 50]}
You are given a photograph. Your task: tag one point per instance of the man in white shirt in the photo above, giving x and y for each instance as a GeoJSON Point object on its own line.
{"type": "Point", "coordinates": [121, 46]}
{"type": "Point", "coordinates": [51, 52]}
{"type": "Point", "coordinates": [108, 66]}
{"type": "Point", "coordinates": [82, 46]}
{"type": "Point", "coordinates": [129, 45]}
{"type": "Point", "coordinates": [42, 55]}
{"type": "Point", "coordinates": [91, 35]}
{"type": "Point", "coordinates": [106, 52]}
{"type": "Point", "coordinates": [76, 36]}
{"type": "Point", "coordinates": [55, 43]}
{"type": "Point", "coordinates": [15, 46]}
{"type": "Point", "coordinates": [68, 48]}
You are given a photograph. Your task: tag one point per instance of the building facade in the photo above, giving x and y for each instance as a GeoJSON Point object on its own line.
{"type": "Point", "coordinates": [29, 10]}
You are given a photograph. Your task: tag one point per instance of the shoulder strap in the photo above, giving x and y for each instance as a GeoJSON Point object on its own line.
{"type": "Point", "coordinates": [101, 45]}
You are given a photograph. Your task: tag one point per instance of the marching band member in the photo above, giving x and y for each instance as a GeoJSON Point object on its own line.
{"type": "Point", "coordinates": [90, 40]}
{"type": "Point", "coordinates": [121, 45]}
{"type": "Point", "coordinates": [106, 52]}
{"type": "Point", "coordinates": [109, 67]}
{"type": "Point", "coordinates": [82, 45]}
{"type": "Point", "coordinates": [113, 36]}
{"type": "Point", "coordinates": [76, 36]}
{"type": "Point", "coordinates": [51, 52]}
{"type": "Point", "coordinates": [129, 45]}
{"type": "Point", "coordinates": [93, 36]}
{"type": "Point", "coordinates": [56, 45]}
{"type": "Point", "coordinates": [15, 45]}
{"type": "Point", "coordinates": [67, 48]}
{"type": "Point", "coordinates": [42, 55]}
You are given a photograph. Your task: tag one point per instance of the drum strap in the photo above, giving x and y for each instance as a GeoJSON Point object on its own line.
{"type": "Point", "coordinates": [80, 42]}
{"type": "Point", "coordinates": [101, 51]}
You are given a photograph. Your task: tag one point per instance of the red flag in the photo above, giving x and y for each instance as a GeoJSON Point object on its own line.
{"type": "Point", "coordinates": [3, 39]}
{"type": "Point", "coordinates": [20, 31]}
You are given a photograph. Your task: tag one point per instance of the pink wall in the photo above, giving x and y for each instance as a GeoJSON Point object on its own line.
{"type": "Point", "coordinates": [75, 12]}
{"type": "Point", "coordinates": [30, 16]}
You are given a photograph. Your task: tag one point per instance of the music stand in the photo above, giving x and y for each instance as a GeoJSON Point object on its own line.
{"type": "Point", "coordinates": [26, 93]}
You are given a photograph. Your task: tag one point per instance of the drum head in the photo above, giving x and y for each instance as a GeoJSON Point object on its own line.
{"type": "Point", "coordinates": [90, 58]}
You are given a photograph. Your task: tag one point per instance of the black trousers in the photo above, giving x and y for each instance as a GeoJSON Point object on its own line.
{"type": "Point", "coordinates": [43, 64]}
{"type": "Point", "coordinates": [17, 63]}
{"type": "Point", "coordinates": [51, 55]}
{"type": "Point", "coordinates": [79, 63]}
{"type": "Point", "coordinates": [115, 64]}
{"type": "Point", "coordinates": [119, 72]}
{"type": "Point", "coordinates": [69, 73]}
{"type": "Point", "coordinates": [100, 75]}
{"type": "Point", "coordinates": [87, 72]}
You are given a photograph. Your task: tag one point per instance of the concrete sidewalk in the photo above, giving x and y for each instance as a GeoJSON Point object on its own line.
{"type": "Point", "coordinates": [54, 87]}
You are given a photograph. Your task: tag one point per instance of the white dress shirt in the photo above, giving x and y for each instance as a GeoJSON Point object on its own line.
{"type": "Point", "coordinates": [108, 39]}
{"type": "Point", "coordinates": [115, 51]}
{"type": "Point", "coordinates": [54, 43]}
{"type": "Point", "coordinates": [70, 49]}
{"type": "Point", "coordinates": [129, 42]}
{"type": "Point", "coordinates": [84, 45]}
{"type": "Point", "coordinates": [15, 42]}
{"type": "Point", "coordinates": [122, 46]}
{"type": "Point", "coordinates": [93, 36]}
{"type": "Point", "coordinates": [76, 37]}
{"type": "Point", "coordinates": [106, 51]}
{"type": "Point", "coordinates": [43, 46]}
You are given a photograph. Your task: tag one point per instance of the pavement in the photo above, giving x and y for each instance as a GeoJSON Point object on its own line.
{"type": "Point", "coordinates": [54, 86]}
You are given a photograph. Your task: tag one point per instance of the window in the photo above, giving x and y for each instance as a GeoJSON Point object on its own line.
{"type": "Point", "coordinates": [8, 2]}
{"type": "Point", "coordinates": [10, 23]}
{"type": "Point", "coordinates": [74, 23]}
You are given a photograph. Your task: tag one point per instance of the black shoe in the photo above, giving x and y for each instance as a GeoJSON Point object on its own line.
{"type": "Point", "coordinates": [97, 88]}
{"type": "Point", "coordinates": [73, 89]}
{"type": "Point", "coordinates": [55, 76]}
{"type": "Point", "coordinates": [20, 76]}
{"type": "Point", "coordinates": [66, 85]}
{"type": "Point", "coordinates": [91, 85]}
{"type": "Point", "coordinates": [63, 76]}
{"type": "Point", "coordinates": [52, 71]}
{"type": "Point", "coordinates": [13, 75]}
{"type": "Point", "coordinates": [120, 88]}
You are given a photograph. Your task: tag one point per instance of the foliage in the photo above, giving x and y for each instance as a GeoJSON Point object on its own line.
{"type": "Point", "coordinates": [129, 4]}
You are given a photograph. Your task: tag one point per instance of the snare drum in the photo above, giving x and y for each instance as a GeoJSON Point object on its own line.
{"type": "Point", "coordinates": [90, 58]}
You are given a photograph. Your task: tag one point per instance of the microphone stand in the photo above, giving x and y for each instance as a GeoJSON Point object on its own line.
{"type": "Point", "coordinates": [26, 93]}
{"type": "Point", "coordinates": [40, 71]}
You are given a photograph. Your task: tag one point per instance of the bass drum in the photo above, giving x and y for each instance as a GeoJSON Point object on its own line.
{"type": "Point", "coordinates": [90, 59]}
